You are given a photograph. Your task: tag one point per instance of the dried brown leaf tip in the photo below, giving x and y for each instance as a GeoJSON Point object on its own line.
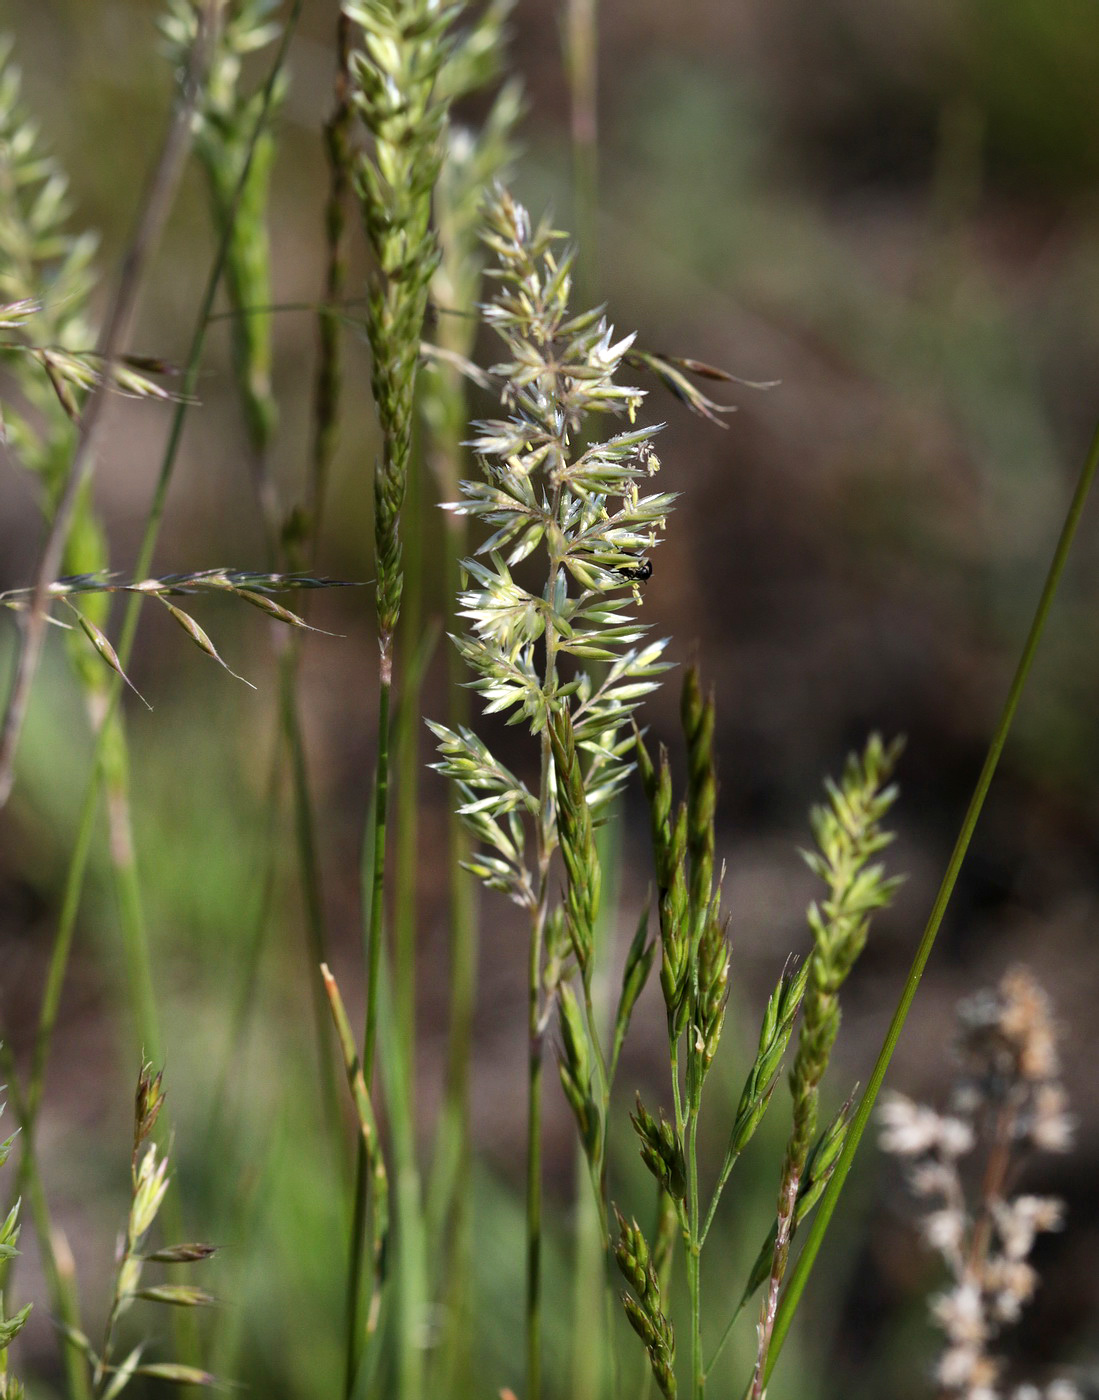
{"type": "Point", "coordinates": [254, 588]}
{"type": "Point", "coordinates": [675, 371]}
{"type": "Point", "coordinates": [1007, 1099]}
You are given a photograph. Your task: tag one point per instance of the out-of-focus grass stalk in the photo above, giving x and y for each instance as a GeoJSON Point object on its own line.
{"type": "Point", "coordinates": [225, 119]}
{"type": "Point", "coordinates": [581, 65]}
{"type": "Point", "coordinates": [449, 1218]}
{"type": "Point", "coordinates": [153, 212]}
{"type": "Point", "coordinates": [368, 1133]}
{"type": "Point", "coordinates": [407, 726]}
{"type": "Point", "coordinates": [594, 1298]}
{"type": "Point", "coordinates": [73, 507]}
{"type": "Point", "coordinates": [248, 976]}
{"type": "Point", "coordinates": [800, 1273]}
{"type": "Point", "coordinates": [398, 1027]}
{"type": "Point", "coordinates": [535, 1036]}
{"type": "Point", "coordinates": [305, 830]}
{"type": "Point", "coordinates": [410, 1263]}
{"type": "Point", "coordinates": [74, 878]}
{"type": "Point", "coordinates": [449, 1199]}
{"type": "Point", "coordinates": [115, 770]}
{"type": "Point", "coordinates": [328, 385]}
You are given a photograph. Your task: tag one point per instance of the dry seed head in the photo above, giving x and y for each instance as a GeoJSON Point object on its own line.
{"type": "Point", "coordinates": [1006, 1039]}
{"type": "Point", "coordinates": [1008, 1034]}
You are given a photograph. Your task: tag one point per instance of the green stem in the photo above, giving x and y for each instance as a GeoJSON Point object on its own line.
{"type": "Point", "coordinates": [589, 1346]}
{"type": "Point", "coordinates": [373, 880]}
{"type": "Point", "coordinates": [449, 1215]}
{"type": "Point", "coordinates": [55, 973]}
{"type": "Point", "coordinates": [135, 941]}
{"type": "Point", "coordinates": [581, 62]}
{"type": "Point", "coordinates": [599, 1182]}
{"type": "Point", "coordinates": [411, 1289]}
{"type": "Point", "coordinates": [398, 1060]}
{"type": "Point", "coordinates": [248, 978]}
{"type": "Point", "coordinates": [376, 835]}
{"type": "Point", "coordinates": [723, 1341]}
{"type": "Point", "coordinates": [329, 379]}
{"type": "Point", "coordinates": [406, 738]}
{"type": "Point", "coordinates": [595, 1361]}
{"type": "Point", "coordinates": [305, 830]}
{"type": "Point", "coordinates": [727, 1166]}
{"type": "Point", "coordinates": [356, 1252]}
{"type": "Point", "coordinates": [547, 841]}
{"type": "Point", "coordinates": [800, 1274]}
{"type": "Point", "coordinates": [694, 1255]}
{"type": "Point", "coordinates": [534, 1156]}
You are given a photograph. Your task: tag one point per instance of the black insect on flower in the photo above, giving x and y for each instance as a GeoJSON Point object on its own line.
{"type": "Point", "coordinates": [638, 573]}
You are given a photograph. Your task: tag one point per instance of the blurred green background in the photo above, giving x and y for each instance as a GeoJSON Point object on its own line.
{"type": "Point", "coordinates": [893, 210]}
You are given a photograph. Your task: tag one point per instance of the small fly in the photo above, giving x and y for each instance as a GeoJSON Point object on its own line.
{"type": "Point", "coordinates": [638, 573]}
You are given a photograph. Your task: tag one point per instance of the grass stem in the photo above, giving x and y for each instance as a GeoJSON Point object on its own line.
{"type": "Point", "coordinates": [535, 1037]}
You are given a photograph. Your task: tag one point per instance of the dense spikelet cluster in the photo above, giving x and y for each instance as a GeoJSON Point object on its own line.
{"type": "Point", "coordinates": [582, 508]}
{"type": "Point", "coordinates": [849, 834]}
{"type": "Point", "coordinates": [694, 972]}
{"type": "Point", "coordinates": [577, 844]}
{"type": "Point", "coordinates": [774, 1037]}
{"type": "Point", "coordinates": [669, 836]}
{"type": "Point", "coordinates": [643, 1304]}
{"type": "Point", "coordinates": [1007, 1100]}
{"type": "Point", "coordinates": [395, 77]}
{"type": "Point", "coordinates": [661, 1151]}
